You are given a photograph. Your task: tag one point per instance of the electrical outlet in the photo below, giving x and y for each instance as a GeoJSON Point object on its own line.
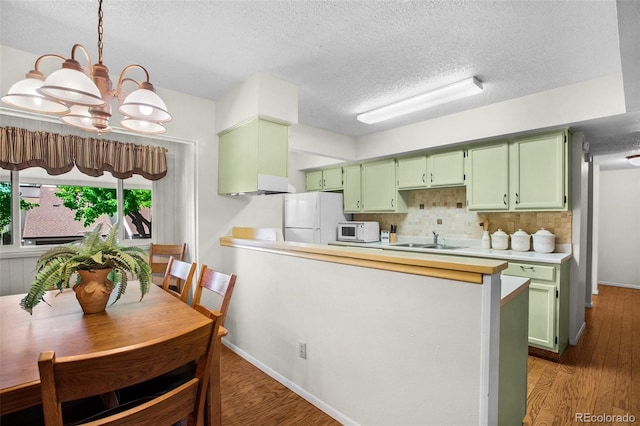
{"type": "Point", "coordinates": [302, 350]}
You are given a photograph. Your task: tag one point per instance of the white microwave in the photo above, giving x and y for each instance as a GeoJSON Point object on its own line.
{"type": "Point", "coordinates": [359, 232]}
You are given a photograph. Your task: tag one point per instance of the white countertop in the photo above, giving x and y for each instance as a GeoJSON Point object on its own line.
{"type": "Point", "coordinates": [470, 248]}
{"type": "Point", "coordinates": [511, 287]}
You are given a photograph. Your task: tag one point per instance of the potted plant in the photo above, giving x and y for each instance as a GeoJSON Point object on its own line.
{"type": "Point", "coordinates": [101, 264]}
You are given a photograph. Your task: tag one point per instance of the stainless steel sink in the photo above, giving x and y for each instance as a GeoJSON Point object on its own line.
{"type": "Point", "coordinates": [428, 246]}
{"type": "Point", "coordinates": [440, 246]}
{"type": "Point", "coordinates": [415, 245]}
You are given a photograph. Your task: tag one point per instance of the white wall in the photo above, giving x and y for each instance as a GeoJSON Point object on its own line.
{"type": "Point", "coordinates": [619, 228]}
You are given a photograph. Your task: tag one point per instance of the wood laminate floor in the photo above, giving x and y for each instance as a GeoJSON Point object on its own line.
{"type": "Point", "coordinates": [599, 376]}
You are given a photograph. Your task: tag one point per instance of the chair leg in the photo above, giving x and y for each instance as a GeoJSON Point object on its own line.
{"type": "Point", "coordinates": [214, 395]}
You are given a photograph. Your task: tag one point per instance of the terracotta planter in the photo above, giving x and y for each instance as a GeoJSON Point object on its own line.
{"type": "Point", "coordinates": [94, 290]}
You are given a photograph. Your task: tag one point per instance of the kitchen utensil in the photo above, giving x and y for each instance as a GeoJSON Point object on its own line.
{"type": "Point", "coordinates": [520, 241]}
{"type": "Point", "coordinates": [544, 241]}
{"type": "Point", "coordinates": [500, 240]}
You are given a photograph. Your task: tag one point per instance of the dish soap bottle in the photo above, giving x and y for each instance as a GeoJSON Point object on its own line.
{"type": "Point", "coordinates": [486, 241]}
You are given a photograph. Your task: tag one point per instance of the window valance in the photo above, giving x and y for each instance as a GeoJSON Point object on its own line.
{"type": "Point", "coordinates": [58, 154]}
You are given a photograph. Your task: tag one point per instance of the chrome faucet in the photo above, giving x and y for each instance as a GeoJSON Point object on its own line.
{"type": "Point", "coordinates": [435, 237]}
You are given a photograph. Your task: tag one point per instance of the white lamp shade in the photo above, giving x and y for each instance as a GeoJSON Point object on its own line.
{"type": "Point", "coordinates": [72, 86]}
{"type": "Point", "coordinates": [24, 95]}
{"type": "Point", "coordinates": [145, 105]}
{"type": "Point", "coordinates": [142, 126]}
{"type": "Point", "coordinates": [80, 117]}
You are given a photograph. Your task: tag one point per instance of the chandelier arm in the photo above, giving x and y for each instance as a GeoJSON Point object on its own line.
{"type": "Point", "coordinates": [86, 55]}
{"type": "Point", "coordinates": [46, 56]}
{"type": "Point", "coordinates": [122, 79]}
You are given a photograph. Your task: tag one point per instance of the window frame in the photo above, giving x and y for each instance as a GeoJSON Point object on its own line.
{"type": "Point", "coordinates": [17, 249]}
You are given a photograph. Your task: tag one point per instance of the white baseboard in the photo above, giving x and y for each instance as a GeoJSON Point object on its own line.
{"type": "Point", "coordinates": [576, 339]}
{"type": "Point", "coordinates": [637, 287]}
{"type": "Point", "coordinates": [338, 416]}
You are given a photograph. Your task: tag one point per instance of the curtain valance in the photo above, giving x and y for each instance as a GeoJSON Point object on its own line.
{"type": "Point", "coordinates": [57, 154]}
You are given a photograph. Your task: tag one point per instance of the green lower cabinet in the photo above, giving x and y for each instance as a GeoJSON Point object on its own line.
{"type": "Point", "coordinates": [512, 381]}
{"type": "Point", "coordinates": [548, 303]}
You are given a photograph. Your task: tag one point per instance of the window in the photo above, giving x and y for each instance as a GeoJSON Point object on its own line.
{"type": "Point", "coordinates": [5, 208]}
{"type": "Point", "coordinates": [59, 209]}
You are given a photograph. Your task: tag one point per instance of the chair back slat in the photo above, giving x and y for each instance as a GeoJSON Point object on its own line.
{"type": "Point", "coordinates": [159, 255]}
{"type": "Point", "coordinates": [219, 283]}
{"type": "Point", "coordinates": [179, 275]}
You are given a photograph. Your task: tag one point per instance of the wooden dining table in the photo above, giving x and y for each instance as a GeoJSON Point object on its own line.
{"type": "Point", "coordinates": [62, 327]}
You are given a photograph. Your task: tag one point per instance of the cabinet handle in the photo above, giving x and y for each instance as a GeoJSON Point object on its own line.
{"type": "Point", "coordinates": [504, 199]}
{"type": "Point", "coordinates": [527, 268]}
{"type": "Point", "coordinates": [320, 183]}
{"type": "Point", "coordinates": [392, 202]}
{"type": "Point", "coordinates": [431, 177]}
{"type": "Point", "coordinates": [324, 183]}
{"type": "Point", "coordinates": [517, 198]}
{"type": "Point", "coordinates": [358, 204]}
{"type": "Point", "coordinates": [424, 178]}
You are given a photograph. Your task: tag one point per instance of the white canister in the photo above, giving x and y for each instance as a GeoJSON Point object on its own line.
{"type": "Point", "coordinates": [520, 241]}
{"type": "Point", "coordinates": [500, 240]}
{"type": "Point", "coordinates": [544, 241]}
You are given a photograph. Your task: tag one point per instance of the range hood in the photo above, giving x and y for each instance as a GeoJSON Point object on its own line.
{"type": "Point", "coordinates": [269, 184]}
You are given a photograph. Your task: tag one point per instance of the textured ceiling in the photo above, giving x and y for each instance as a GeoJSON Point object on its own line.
{"type": "Point", "coordinates": [345, 56]}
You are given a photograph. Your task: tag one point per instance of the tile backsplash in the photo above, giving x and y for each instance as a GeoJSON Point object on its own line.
{"type": "Point", "coordinates": [444, 211]}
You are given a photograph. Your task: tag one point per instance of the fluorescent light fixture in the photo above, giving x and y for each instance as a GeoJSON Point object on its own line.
{"type": "Point", "coordinates": [461, 89]}
{"type": "Point", "coordinates": [634, 159]}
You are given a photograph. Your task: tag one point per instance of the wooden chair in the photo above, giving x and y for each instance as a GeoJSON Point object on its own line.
{"type": "Point", "coordinates": [223, 286]}
{"type": "Point", "coordinates": [159, 255]}
{"type": "Point", "coordinates": [217, 282]}
{"type": "Point", "coordinates": [70, 378]}
{"type": "Point", "coordinates": [178, 278]}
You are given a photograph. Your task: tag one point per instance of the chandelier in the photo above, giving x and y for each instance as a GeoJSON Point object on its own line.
{"type": "Point", "coordinates": [84, 100]}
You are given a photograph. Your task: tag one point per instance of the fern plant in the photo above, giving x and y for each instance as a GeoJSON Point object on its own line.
{"type": "Point", "coordinates": [56, 266]}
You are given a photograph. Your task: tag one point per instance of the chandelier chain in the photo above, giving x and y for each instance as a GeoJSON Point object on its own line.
{"type": "Point", "coordinates": [100, 31]}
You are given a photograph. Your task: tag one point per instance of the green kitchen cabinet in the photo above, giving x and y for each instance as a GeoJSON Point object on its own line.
{"type": "Point", "coordinates": [313, 181]}
{"type": "Point", "coordinates": [324, 180]}
{"type": "Point", "coordinates": [249, 151]}
{"type": "Point", "coordinates": [379, 188]}
{"type": "Point", "coordinates": [412, 172]}
{"type": "Point", "coordinates": [540, 172]}
{"type": "Point", "coordinates": [488, 177]}
{"type": "Point", "coordinates": [548, 303]}
{"type": "Point", "coordinates": [352, 188]}
{"type": "Point", "coordinates": [446, 169]}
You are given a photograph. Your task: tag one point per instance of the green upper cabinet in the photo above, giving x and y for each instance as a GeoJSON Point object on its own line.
{"type": "Point", "coordinates": [324, 180]}
{"type": "Point", "coordinates": [379, 188]}
{"type": "Point", "coordinates": [528, 174]}
{"type": "Point", "coordinates": [258, 147]}
{"type": "Point", "coordinates": [488, 177]}
{"type": "Point", "coordinates": [313, 181]}
{"type": "Point", "coordinates": [412, 172]}
{"type": "Point", "coordinates": [446, 169]}
{"type": "Point", "coordinates": [352, 188]}
{"type": "Point", "coordinates": [540, 172]}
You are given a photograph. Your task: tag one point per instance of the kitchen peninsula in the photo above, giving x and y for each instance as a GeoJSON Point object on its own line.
{"type": "Point", "coordinates": [372, 336]}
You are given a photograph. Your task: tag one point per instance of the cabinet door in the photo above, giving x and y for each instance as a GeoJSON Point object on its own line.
{"type": "Point", "coordinates": [352, 189]}
{"type": "Point", "coordinates": [412, 172]}
{"type": "Point", "coordinates": [273, 148]}
{"type": "Point", "coordinates": [488, 177]}
{"type": "Point", "coordinates": [237, 165]}
{"type": "Point", "coordinates": [542, 314]}
{"type": "Point", "coordinates": [313, 181]}
{"type": "Point", "coordinates": [539, 172]}
{"type": "Point", "coordinates": [446, 169]}
{"type": "Point", "coordinates": [379, 190]}
{"type": "Point", "coordinates": [332, 179]}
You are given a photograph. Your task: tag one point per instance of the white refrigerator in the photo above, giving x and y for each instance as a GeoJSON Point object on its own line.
{"type": "Point", "coordinates": [312, 217]}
